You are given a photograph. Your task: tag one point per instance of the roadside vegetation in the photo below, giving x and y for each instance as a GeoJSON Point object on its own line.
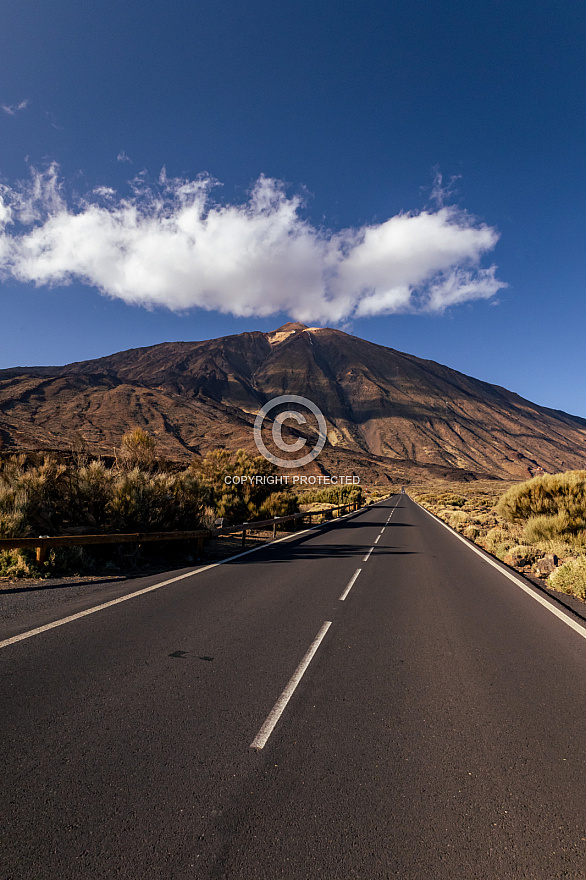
{"type": "Point", "coordinates": [328, 497]}
{"type": "Point", "coordinates": [137, 492]}
{"type": "Point", "coordinates": [246, 500]}
{"type": "Point", "coordinates": [538, 526]}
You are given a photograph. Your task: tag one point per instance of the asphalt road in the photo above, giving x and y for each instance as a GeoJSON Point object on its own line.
{"type": "Point", "coordinates": [438, 729]}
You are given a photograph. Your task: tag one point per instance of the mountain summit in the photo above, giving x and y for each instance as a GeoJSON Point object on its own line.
{"type": "Point", "coordinates": [386, 412]}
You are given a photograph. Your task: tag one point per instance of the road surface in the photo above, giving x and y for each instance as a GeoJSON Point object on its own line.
{"type": "Point", "coordinates": [281, 716]}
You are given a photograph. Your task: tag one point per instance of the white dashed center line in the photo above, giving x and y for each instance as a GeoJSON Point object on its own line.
{"type": "Point", "coordinates": [262, 736]}
{"type": "Point", "coordinates": [350, 585]}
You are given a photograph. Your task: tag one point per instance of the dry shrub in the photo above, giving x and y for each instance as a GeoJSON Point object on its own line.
{"type": "Point", "coordinates": [546, 528]}
{"type": "Point", "coordinates": [525, 554]}
{"type": "Point", "coordinates": [444, 512]}
{"type": "Point", "coordinates": [53, 499]}
{"type": "Point", "coordinates": [486, 519]}
{"type": "Point", "coordinates": [243, 501]}
{"type": "Point", "coordinates": [499, 541]}
{"type": "Point", "coordinates": [12, 524]}
{"type": "Point", "coordinates": [552, 495]}
{"type": "Point", "coordinates": [570, 577]}
{"type": "Point", "coordinates": [137, 450]}
{"type": "Point", "coordinates": [503, 549]}
{"type": "Point", "coordinates": [69, 560]}
{"type": "Point", "coordinates": [154, 502]}
{"type": "Point", "coordinates": [450, 499]}
{"type": "Point", "coordinates": [335, 495]}
{"type": "Point", "coordinates": [278, 504]}
{"type": "Point", "coordinates": [16, 564]}
{"type": "Point", "coordinates": [33, 501]}
{"type": "Point", "coordinates": [457, 518]}
{"type": "Point", "coordinates": [93, 491]}
{"type": "Point", "coordinates": [497, 537]}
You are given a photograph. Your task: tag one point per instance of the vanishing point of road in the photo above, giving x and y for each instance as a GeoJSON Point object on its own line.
{"type": "Point", "coordinates": [369, 699]}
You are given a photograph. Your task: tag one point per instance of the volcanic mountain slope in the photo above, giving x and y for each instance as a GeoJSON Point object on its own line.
{"type": "Point", "coordinates": [386, 411]}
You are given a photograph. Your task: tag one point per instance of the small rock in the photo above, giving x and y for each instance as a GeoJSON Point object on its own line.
{"type": "Point", "coordinates": [515, 559]}
{"type": "Point", "coordinates": [546, 565]}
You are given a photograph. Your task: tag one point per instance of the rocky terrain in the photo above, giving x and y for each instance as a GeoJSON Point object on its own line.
{"type": "Point", "coordinates": [389, 415]}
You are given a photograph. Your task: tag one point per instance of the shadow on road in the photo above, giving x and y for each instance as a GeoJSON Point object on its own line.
{"type": "Point", "coordinates": [288, 552]}
{"type": "Point", "coordinates": [54, 584]}
{"type": "Point", "coordinates": [298, 550]}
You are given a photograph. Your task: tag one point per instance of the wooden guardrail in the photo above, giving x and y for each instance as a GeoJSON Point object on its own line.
{"type": "Point", "coordinates": [43, 543]}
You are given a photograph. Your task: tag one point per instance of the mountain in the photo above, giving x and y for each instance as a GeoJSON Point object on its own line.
{"type": "Point", "coordinates": [387, 412]}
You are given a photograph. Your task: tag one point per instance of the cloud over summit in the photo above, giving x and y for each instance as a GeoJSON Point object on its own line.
{"type": "Point", "coordinates": [172, 245]}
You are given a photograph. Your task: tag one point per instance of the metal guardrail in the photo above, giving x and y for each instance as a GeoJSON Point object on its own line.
{"type": "Point", "coordinates": [43, 543]}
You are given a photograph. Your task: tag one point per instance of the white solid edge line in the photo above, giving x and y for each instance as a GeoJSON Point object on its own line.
{"type": "Point", "coordinates": [560, 614]}
{"type": "Point", "coordinates": [262, 736]}
{"type": "Point", "coordinates": [351, 584]}
{"type": "Point", "coordinates": [55, 623]}
{"type": "Point", "coordinates": [368, 554]}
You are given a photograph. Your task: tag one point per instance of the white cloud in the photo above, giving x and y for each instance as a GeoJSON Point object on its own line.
{"type": "Point", "coordinates": [12, 109]}
{"type": "Point", "coordinates": [122, 157]}
{"type": "Point", "coordinates": [441, 192]}
{"type": "Point", "coordinates": [106, 192]}
{"type": "Point", "coordinates": [170, 245]}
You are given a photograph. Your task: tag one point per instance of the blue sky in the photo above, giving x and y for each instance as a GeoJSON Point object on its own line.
{"type": "Point", "coordinates": [412, 172]}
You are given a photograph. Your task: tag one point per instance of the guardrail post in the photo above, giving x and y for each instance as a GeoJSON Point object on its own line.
{"type": "Point", "coordinates": [243, 537]}
{"type": "Point", "coordinates": [199, 548]}
{"type": "Point", "coordinates": [42, 550]}
{"type": "Point", "coordinates": [274, 528]}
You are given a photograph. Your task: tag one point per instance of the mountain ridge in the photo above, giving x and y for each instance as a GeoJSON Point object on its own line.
{"type": "Point", "coordinates": [386, 411]}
